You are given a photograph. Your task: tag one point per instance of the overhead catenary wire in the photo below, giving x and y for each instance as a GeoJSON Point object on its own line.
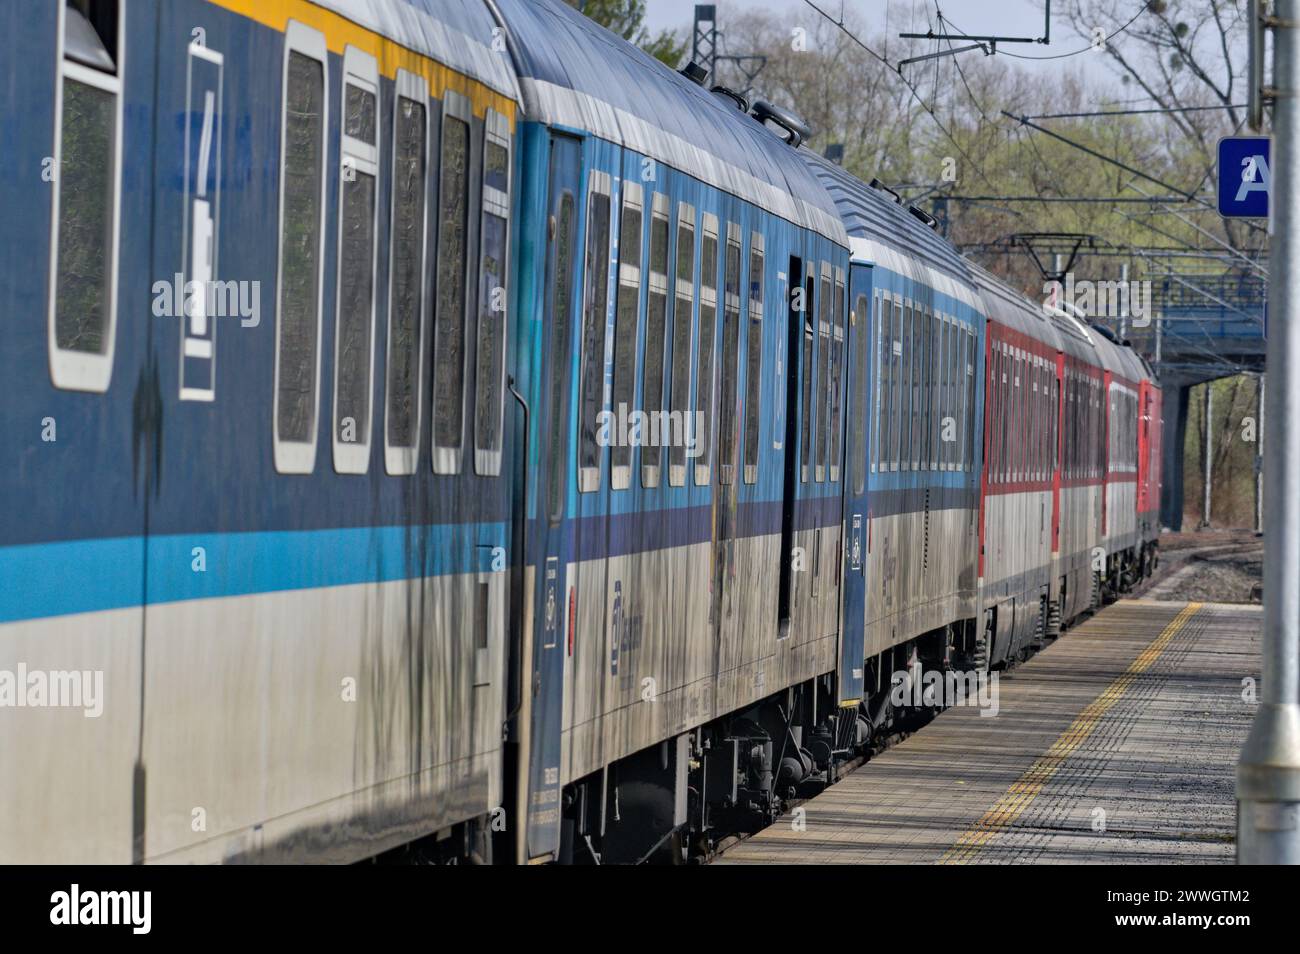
{"type": "Point", "coordinates": [839, 24]}
{"type": "Point", "coordinates": [1087, 49]}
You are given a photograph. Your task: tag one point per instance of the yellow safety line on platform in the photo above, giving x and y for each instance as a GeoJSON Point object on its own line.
{"type": "Point", "coordinates": [1019, 796]}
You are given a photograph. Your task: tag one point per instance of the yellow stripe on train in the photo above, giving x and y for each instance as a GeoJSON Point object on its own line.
{"type": "Point", "coordinates": [340, 32]}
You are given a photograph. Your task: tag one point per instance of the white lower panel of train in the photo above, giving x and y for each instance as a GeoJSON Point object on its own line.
{"type": "Point", "coordinates": [655, 655]}
{"type": "Point", "coordinates": [1121, 515]}
{"type": "Point", "coordinates": [320, 724]}
{"type": "Point", "coordinates": [1080, 536]}
{"type": "Point", "coordinates": [1017, 543]}
{"type": "Point", "coordinates": [921, 574]}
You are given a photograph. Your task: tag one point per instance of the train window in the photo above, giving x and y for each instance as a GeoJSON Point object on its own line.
{"type": "Point", "coordinates": [822, 406]}
{"type": "Point", "coordinates": [626, 328]}
{"type": "Point", "coordinates": [1004, 412]}
{"type": "Point", "coordinates": [956, 379]}
{"type": "Point", "coordinates": [450, 298]}
{"type": "Point", "coordinates": [1019, 425]}
{"type": "Point", "coordinates": [1098, 425]}
{"type": "Point", "coordinates": [1079, 435]}
{"type": "Point", "coordinates": [896, 421]}
{"type": "Point", "coordinates": [929, 431]}
{"type": "Point", "coordinates": [990, 407]}
{"type": "Point", "coordinates": [730, 357]}
{"type": "Point", "coordinates": [1086, 443]}
{"type": "Point", "coordinates": [754, 356]}
{"type": "Point", "coordinates": [916, 348]}
{"type": "Point", "coordinates": [1040, 419]}
{"type": "Point", "coordinates": [907, 392]}
{"type": "Point", "coordinates": [1040, 413]}
{"type": "Point", "coordinates": [1035, 419]}
{"type": "Point", "coordinates": [1050, 398]}
{"type": "Point", "coordinates": [1007, 376]}
{"type": "Point", "coordinates": [945, 392]}
{"type": "Point", "coordinates": [991, 398]}
{"type": "Point", "coordinates": [354, 336]}
{"type": "Point", "coordinates": [858, 394]}
{"type": "Point", "coordinates": [1000, 366]}
{"type": "Point", "coordinates": [954, 394]}
{"type": "Point", "coordinates": [1117, 430]}
{"type": "Point", "coordinates": [302, 237]}
{"type": "Point", "coordinates": [963, 411]}
{"type": "Point", "coordinates": [939, 395]}
{"type": "Point", "coordinates": [406, 274]}
{"type": "Point", "coordinates": [1039, 398]}
{"type": "Point", "coordinates": [683, 307]}
{"type": "Point", "coordinates": [878, 420]}
{"type": "Point", "coordinates": [837, 365]}
{"type": "Point", "coordinates": [561, 308]}
{"type": "Point", "coordinates": [591, 373]}
{"type": "Point", "coordinates": [971, 411]}
{"type": "Point", "coordinates": [936, 389]}
{"type": "Point", "coordinates": [945, 443]}
{"type": "Point", "coordinates": [1013, 414]}
{"type": "Point", "coordinates": [652, 384]}
{"type": "Point", "coordinates": [1008, 413]}
{"type": "Point", "coordinates": [708, 321]}
{"type": "Point", "coordinates": [1049, 418]}
{"type": "Point", "coordinates": [494, 245]}
{"type": "Point", "coordinates": [1070, 436]}
{"type": "Point", "coordinates": [809, 343]}
{"type": "Point", "coordinates": [1094, 429]}
{"type": "Point", "coordinates": [883, 376]}
{"type": "Point", "coordinates": [1022, 415]}
{"type": "Point", "coordinates": [86, 200]}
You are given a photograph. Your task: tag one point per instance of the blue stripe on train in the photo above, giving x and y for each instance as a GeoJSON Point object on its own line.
{"type": "Point", "coordinates": [79, 576]}
{"type": "Point", "coordinates": [55, 579]}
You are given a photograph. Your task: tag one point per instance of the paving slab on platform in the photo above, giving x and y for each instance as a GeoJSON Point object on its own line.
{"type": "Point", "coordinates": [1117, 744]}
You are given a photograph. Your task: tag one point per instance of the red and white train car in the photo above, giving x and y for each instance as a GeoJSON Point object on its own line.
{"type": "Point", "coordinates": [1069, 512]}
{"type": "Point", "coordinates": [1018, 486]}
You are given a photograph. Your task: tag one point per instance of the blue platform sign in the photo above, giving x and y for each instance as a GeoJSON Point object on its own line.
{"type": "Point", "coordinates": [1244, 178]}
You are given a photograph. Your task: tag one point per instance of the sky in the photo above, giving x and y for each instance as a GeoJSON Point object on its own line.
{"type": "Point", "coordinates": [989, 17]}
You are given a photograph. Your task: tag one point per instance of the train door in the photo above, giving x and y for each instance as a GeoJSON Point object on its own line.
{"type": "Point", "coordinates": [857, 406]}
{"type": "Point", "coordinates": [552, 609]}
{"type": "Point", "coordinates": [790, 442]}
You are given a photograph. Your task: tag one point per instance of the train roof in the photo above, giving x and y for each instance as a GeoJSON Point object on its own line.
{"type": "Point", "coordinates": [458, 33]}
{"type": "Point", "coordinates": [882, 231]}
{"type": "Point", "coordinates": [573, 72]}
{"type": "Point", "coordinates": [1066, 331]}
{"type": "Point", "coordinates": [1119, 358]}
{"type": "Point", "coordinates": [1009, 307]}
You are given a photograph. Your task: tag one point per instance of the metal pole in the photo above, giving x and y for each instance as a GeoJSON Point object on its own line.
{"type": "Point", "coordinates": [1259, 454]}
{"type": "Point", "coordinates": [1123, 297]}
{"type": "Point", "coordinates": [1207, 455]}
{"type": "Point", "coordinates": [1268, 775]}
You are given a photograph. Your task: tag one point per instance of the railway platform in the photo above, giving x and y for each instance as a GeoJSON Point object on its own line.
{"type": "Point", "coordinates": [1116, 744]}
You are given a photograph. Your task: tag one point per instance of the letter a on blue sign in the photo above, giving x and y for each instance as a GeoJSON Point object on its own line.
{"type": "Point", "coordinates": [1244, 177]}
